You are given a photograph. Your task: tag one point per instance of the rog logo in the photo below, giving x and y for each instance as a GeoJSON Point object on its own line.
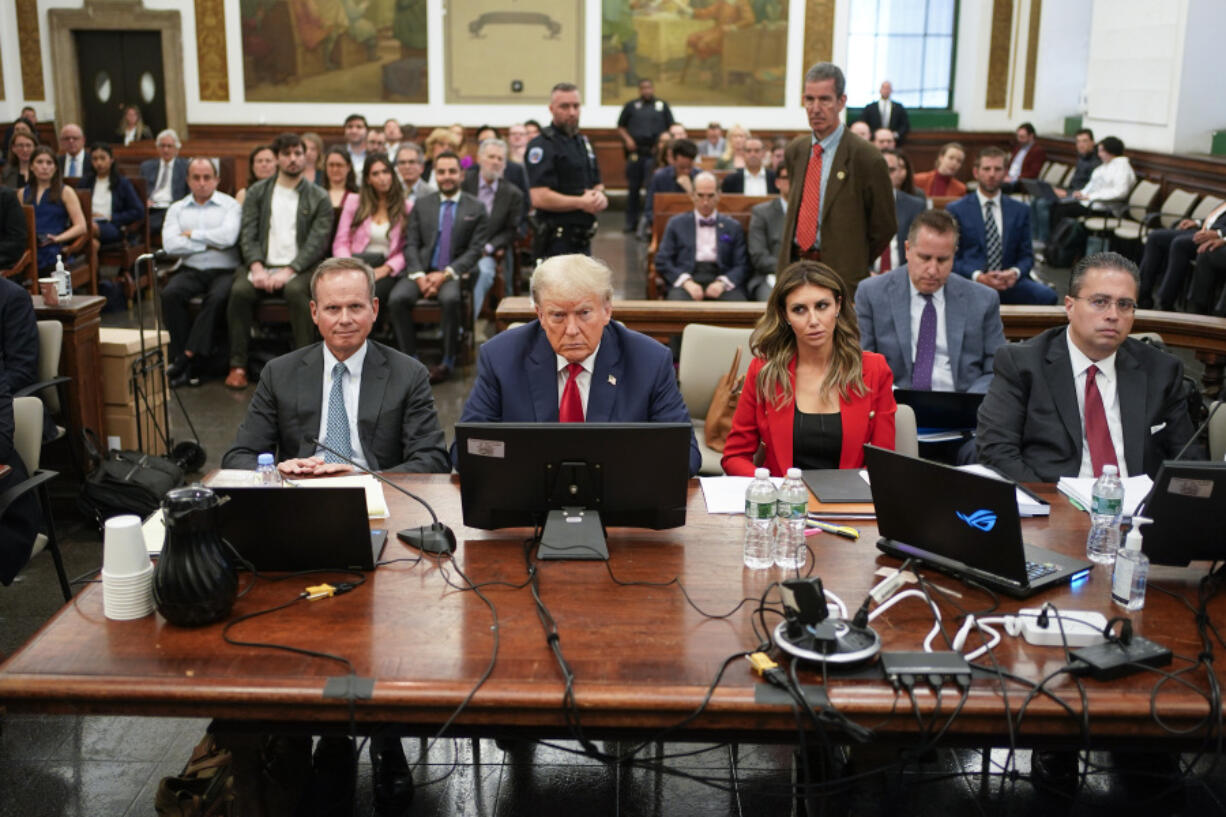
{"type": "Point", "coordinates": [982, 519]}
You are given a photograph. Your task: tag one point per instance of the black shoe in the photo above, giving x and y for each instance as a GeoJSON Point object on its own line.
{"type": "Point", "coordinates": [1055, 770]}
{"type": "Point", "coordinates": [334, 778]}
{"type": "Point", "coordinates": [391, 777]}
{"type": "Point", "coordinates": [179, 367]}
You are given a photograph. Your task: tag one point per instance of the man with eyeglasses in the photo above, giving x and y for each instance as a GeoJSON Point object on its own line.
{"type": "Point", "coordinates": [574, 364]}
{"type": "Point", "coordinates": [1076, 398]}
{"type": "Point", "coordinates": [410, 161]}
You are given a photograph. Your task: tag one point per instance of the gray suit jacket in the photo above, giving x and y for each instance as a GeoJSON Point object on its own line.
{"type": "Point", "coordinates": [973, 331]}
{"type": "Point", "coordinates": [507, 214]}
{"type": "Point", "coordinates": [1030, 427]}
{"type": "Point", "coordinates": [765, 236]}
{"type": "Point", "coordinates": [468, 234]}
{"type": "Point", "coordinates": [178, 176]}
{"type": "Point", "coordinates": [397, 424]}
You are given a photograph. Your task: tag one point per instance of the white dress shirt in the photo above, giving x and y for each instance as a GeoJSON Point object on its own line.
{"type": "Point", "coordinates": [942, 369]}
{"type": "Point", "coordinates": [583, 380]}
{"type": "Point", "coordinates": [706, 249]}
{"type": "Point", "coordinates": [352, 389]}
{"type": "Point", "coordinates": [282, 226]}
{"type": "Point", "coordinates": [1015, 168]}
{"type": "Point", "coordinates": [161, 195]}
{"type": "Point", "coordinates": [755, 185]}
{"type": "Point", "coordinates": [214, 226]}
{"type": "Point", "coordinates": [1112, 181]}
{"type": "Point", "coordinates": [1108, 388]}
{"type": "Point", "coordinates": [379, 238]}
{"type": "Point", "coordinates": [82, 160]}
{"type": "Point", "coordinates": [100, 201]}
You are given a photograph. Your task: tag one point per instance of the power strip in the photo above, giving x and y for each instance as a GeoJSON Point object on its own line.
{"type": "Point", "coordinates": [1082, 628]}
{"type": "Point", "coordinates": [1106, 662]}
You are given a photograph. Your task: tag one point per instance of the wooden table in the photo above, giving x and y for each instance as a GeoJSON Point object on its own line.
{"type": "Point", "coordinates": [80, 359]}
{"type": "Point", "coordinates": [642, 657]}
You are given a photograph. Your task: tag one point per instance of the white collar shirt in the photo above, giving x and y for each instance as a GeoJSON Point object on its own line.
{"type": "Point", "coordinates": [1108, 388]}
{"type": "Point", "coordinates": [942, 367]}
{"type": "Point", "coordinates": [351, 388]}
{"type": "Point", "coordinates": [583, 380]}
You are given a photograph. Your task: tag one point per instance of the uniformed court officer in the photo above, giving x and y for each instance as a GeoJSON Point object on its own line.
{"type": "Point", "coordinates": [641, 122]}
{"type": "Point", "coordinates": [564, 178]}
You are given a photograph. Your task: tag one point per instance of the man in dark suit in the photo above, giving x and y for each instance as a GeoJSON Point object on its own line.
{"type": "Point", "coordinates": [1073, 399]}
{"type": "Point", "coordinates": [906, 208]}
{"type": "Point", "coordinates": [504, 208]}
{"type": "Point", "coordinates": [22, 519]}
{"type": "Point", "coordinates": [938, 332]}
{"type": "Point", "coordinates": [18, 337]}
{"type": "Point", "coordinates": [766, 237]}
{"type": "Point", "coordinates": [74, 161]}
{"type": "Point", "coordinates": [1026, 159]}
{"type": "Point", "coordinates": [841, 210]}
{"type": "Point", "coordinates": [702, 254]}
{"type": "Point", "coordinates": [1210, 269]}
{"type": "Point", "coordinates": [13, 236]}
{"type": "Point", "coordinates": [378, 410]}
{"type": "Point", "coordinates": [445, 238]}
{"type": "Point", "coordinates": [574, 363]}
{"type": "Point", "coordinates": [1170, 252]}
{"type": "Point", "coordinates": [165, 179]}
{"type": "Point", "coordinates": [753, 179]}
{"type": "Point", "coordinates": [886, 113]}
{"type": "Point", "coordinates": [677, 177]}
{"type": "Point", "coordinates": [994, 248]}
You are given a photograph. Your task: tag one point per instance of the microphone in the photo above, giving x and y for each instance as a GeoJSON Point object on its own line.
{"type": "Point", "coordinates": [1140, 509]}
{"type": "Point", "coordinates": [433, 538]}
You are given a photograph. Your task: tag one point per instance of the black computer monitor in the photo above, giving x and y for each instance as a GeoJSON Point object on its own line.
{"type": "Point", "coordinates": [1186, 506]}
{"type": "Point", "coordinates": [575, 479]}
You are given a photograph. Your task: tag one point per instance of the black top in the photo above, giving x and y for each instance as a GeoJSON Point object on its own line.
{"type": "Point", "coordinates": [566, 164]}
{"type": "Point", "coordinates": [817, 440]}
{"type": "Point", "coordinates": [1084, 168]}
{"type": "Point", "coordinates": [645, 121]}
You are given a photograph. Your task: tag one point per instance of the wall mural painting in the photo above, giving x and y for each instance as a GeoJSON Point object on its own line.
{"type": "Point", "coordinates": [334, 50]}
{"type": "Point", "coordinates": [697, 52]}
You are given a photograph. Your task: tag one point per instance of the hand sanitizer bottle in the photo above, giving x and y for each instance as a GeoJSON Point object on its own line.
{"type": "Point", "coordinates": [1131, 569]}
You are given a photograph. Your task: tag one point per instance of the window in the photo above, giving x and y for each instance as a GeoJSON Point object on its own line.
{"type": "Point", "coordinates": [908, 42]}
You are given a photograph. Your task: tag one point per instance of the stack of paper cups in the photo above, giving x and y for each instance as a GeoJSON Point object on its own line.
{"type": "Point", "coordinates": [127, 573]}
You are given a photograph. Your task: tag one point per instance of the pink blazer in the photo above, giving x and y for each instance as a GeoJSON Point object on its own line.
{"type": "Point", "coordinates": [349, 242]}
{"type": "Point", "coordinates": [866, 419]}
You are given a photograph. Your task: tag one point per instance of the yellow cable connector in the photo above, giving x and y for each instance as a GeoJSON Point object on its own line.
{"type": "Point", "coordinates": [320, 591]}
{"type": "Point", "coordinates": [761, 662]}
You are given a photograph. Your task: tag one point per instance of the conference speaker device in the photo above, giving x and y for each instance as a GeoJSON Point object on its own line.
{"type": "Point", "coordinates": [809, 633]}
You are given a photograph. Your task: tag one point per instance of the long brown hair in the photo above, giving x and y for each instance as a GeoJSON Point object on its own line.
{"type": "Point", "coordinates": [368, 203]}
{"type": "Point", "coordinates": [55, 187]}
{"type": "Point", "coordinates": [774, 341]}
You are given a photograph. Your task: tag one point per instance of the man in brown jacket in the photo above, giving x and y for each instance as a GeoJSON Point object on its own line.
{"type": "Point", "coordinates": [841, 209]}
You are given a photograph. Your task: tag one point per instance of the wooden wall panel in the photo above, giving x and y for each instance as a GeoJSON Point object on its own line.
{"type": "Point", "coordinates": [998, 54]}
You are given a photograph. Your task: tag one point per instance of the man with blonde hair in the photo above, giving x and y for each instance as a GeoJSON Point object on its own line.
{"type": "Point", "coordinates": [574, 363]}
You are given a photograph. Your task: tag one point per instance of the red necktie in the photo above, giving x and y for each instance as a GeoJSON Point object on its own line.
{"type": "Point", "coordinates": [810, 201]}
{"type": "Point", "coordinates": [1098, 436]}
{"type": "Point", "coordinates": [885, 257]}
{"type": "Point", "coordinates": [571, 408]}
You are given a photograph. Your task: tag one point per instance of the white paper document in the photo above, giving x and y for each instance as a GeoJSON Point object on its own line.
{"type": "Point", "coordinates": [727, 494]}
{"type": "Point", "coordinates": [376, 502]}
{"type": "Point", "coordinates": [1080, 489]}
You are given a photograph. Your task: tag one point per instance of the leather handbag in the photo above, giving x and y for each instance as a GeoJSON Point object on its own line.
{"type": "Point", "coordinates": [723, 405]}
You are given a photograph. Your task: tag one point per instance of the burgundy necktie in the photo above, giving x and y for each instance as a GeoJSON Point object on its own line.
{"type": "Point", "coordinates": [571, 408]}
{"type": "Point", "coordinates": [810, 201]}
{"type": "Point", "coordinates": [1098, 436]}
{"type": "Point", "coordinates": [925, 346]}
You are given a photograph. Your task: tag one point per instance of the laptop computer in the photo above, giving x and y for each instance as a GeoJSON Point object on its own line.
{"type": "Point", "coordinates": [1186, 506]}
{"type": "Point", "coordinates": [289, 529]}
{"type": "Point", "coordinates": [941, 409]}
{"type": "Point", "coordinates": [960, 523]}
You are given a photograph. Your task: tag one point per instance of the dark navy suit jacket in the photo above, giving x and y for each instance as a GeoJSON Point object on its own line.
{"type": "Point", "coordinates": [126, 206]}
{"type": "Point", "coordinates": [1016, 250]}
{"type": "Point", "coordinates": [178, 177]}
{"type": "Point", "coordinates": [633, 381]}
{"type": "Point", "coordinates": [679, 246]}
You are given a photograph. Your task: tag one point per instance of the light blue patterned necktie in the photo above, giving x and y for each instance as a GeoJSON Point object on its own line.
{"type": "Point", "coordinates": [338, 421]}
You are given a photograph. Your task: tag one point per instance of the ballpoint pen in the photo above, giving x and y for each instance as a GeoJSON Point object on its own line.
{"type": "Point", "coordinates": [845, 531]}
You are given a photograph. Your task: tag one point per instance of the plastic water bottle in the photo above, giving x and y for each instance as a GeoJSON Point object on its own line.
{"type": "Point", "coordinates": [1106, 507]}
{"type": "Point", "coordinates": [1131, 570]}
{"type": "Point", "coordinates": [63, 280]}
{"type": "Point", "coordinates": [792, 508]}
{"type": "Point", "coordinates": [266, 471]}
{"type": "Point", "coordinates": [760, 499]}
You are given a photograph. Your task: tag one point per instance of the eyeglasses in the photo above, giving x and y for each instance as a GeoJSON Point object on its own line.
{"type": "Point", "coordinates": [1100, 303]}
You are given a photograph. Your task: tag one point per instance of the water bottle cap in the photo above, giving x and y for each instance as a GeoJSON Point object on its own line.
{"type": "Point", "coordinates": [1110, 471]}
{"type": "Point", "coordinates": [264, 459]}
{"type": "Point", "coordinates": [762, 473]}
{"type": "Point", "coordinates": [793, 473]}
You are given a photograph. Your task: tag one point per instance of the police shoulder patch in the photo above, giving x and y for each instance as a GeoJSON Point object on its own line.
{"type": "Point", "coordinates": [535, 154]}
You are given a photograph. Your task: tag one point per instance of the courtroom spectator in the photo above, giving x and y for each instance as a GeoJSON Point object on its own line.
{"type": "Point", "coordinates": [486, 132]}
{"type": "Point", "coordinates": [639, 125]}
{"type": "Point", "coordinates": [1169, 254]}
{"type": "Point", "coordinates": [13, 235]}
{"type": "Point", "coordinates": [444, 240]}
{"type": "Point", "coordinates": [410, 162]}
{"type": "Point", "coordinates": [754, 179]}
{"type": "Point", "coordinates": [779, 150]}
{"type": "Point", "coordinates": [533, 128]}
{"type": "Point", "coordinates": [888, 114]}
{"type": "Point", "coordinates": [908, 179]}
{"type": "Point", "coordinates": [1110, 184]}
{"type": "Point", "coordinates": [995, 246]}
{"type": "Point", "coordinates": [1087, 161]}
{"type": "Point", "coordinates": [906, 208]}
{"type": "Point", "coordinates": [371, 224]}
{"type": "Point", "coordinates": [702, 255]}
{"type": "Point", "coordinates": [261, 164]}
{"type": "Point", "coordinates": [165, 178]}
{"type": "Point", "coordinates": [714, 144]}
{"type": "Point", "coordinates": [58, 218]}
{"type": "Point", "coordinates": [1209, 272]}
{"type": "Point", "coordinates": [393, 135]}
{"type": "Point", "coordinates": [313, 144]}
{"type": "Point", "coordinates": [376, 142]}
{"type": "Point", "coordinates": [132, 127]}
{"type": "Point", "coordinates": [26, 121]}
{"type": "Point", "coordinates": [883, 138]}
{"type": "Point", "coordinates": [937, 331]}
{"type": "Point", "coordinates": [461, 146]}
{"type": "Point", "coordinates": [504, 208]}
{"type": "Point", "coordinates": [765, 239]}
{"type": "Point", "coordinates": [860, 128]}
{"type": "Point", "coordinates": [201, 230]}
{"type": "Point", "coordinates": [812, 397]}
{"type": "Point", "coordinates": [440, 140]}
{"type": "Point", "coordinates": [677, 131]}
{"type": "Point", "coordinates": [74, 161]}
{"type": "Point", "coordinates": [341, 180]}
{"type": "Point", "coordinates": [1026, 158]}
{"type": "Point", "coordinates": [517, 140]}
{"type": "Point", "coordinates": [943, 179]}
{"type": "Point", "coordinates": [18, 326]}
{"type": "Point", "coordinates": [23, 519]}
{"type": "Point", "coordinates": [285, 228]}
{"type": "Point", "coordinates": [676, 177]}
{"type": "Point", "coordinates": [355, 140]}
{"type": "Point", "coordinates": [733, 156]}
{"type": "Point", "coordinates": [514, 173]}
{"type": "Point", "coordinates": [573, 363]}
{"type": "Point", "coordinates": [17, 169]}
{"type": "Point", "coordinates": [663, 152]}
{"type": "Point", "coordinates": [859, 221]}
{"type": "Point", "coordinates": [114, 203]}
{"type": "Point", "coordinates": [1075, 398]}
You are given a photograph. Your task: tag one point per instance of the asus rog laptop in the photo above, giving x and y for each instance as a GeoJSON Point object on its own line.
{"type": "Point", "coordinates": [962, 524]}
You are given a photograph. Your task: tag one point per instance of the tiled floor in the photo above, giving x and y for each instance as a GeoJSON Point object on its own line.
{"type": "Point", "coordinates": [69, 765]}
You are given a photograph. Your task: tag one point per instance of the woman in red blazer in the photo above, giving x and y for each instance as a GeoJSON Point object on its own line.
{"type": "Point", "coordinates": [827, 396]}
{"type": "Point", "coordinates": [942, 181]}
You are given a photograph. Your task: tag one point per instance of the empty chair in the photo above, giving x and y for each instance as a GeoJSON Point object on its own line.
{"type": "Point", "coordinates": [1174, 209]}
{"type": "Point", "coordinates": [706, 354]}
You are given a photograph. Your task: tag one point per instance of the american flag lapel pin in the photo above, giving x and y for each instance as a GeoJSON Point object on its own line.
{"type": "Point", "coordinates": [612, 380]}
